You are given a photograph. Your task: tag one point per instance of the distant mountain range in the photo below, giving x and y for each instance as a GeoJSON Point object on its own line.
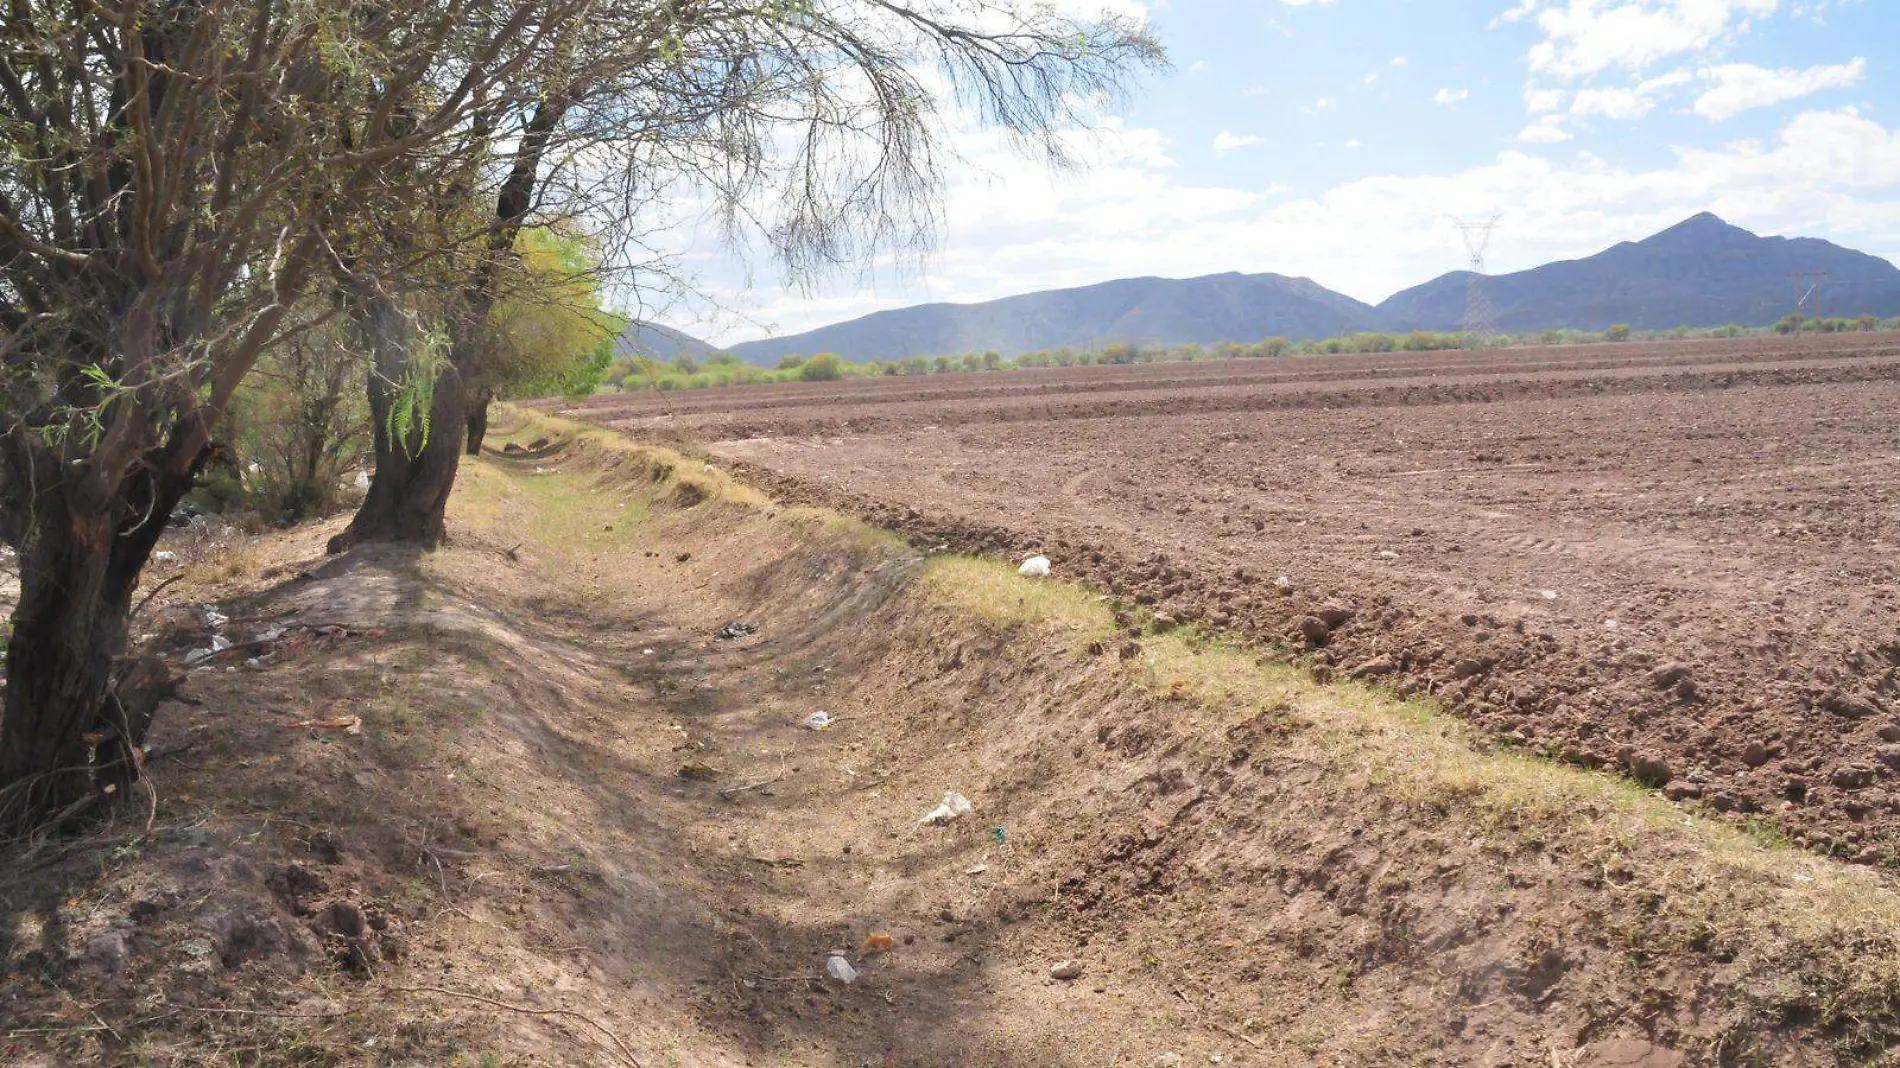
{"type": "Point", "coordinates": [660, 342]}
{"type": "Point", "coordinates": [1700, 272]}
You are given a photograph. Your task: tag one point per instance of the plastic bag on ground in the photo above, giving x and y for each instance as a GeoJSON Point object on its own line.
{"type": "Point", "coordinates": [1034, 567]}
{"type": "Point", "coordinates": [840, 969]}
{"type": "Point", "coordinates": [955, 806]}
{"type": "Point", "coordinates": [818, 721]}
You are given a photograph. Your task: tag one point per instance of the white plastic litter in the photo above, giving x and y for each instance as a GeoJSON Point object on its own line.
{"type": "Point", "coordinates": [1034, 567]}
{"type": "Point", "coordinates": [164, 556]}
{"type": "Point", "coordinates": [362, 480]}
{"type": "Point", "coordinates": [818, 721]}
{"type": "Point", "coordinates": [840, 969]}
{"type": "Point", "coordinates": [219, 643]}
{"type": "Point", "coordinates": [955, 806]}
{"type": "Point", "coordinates": [216, 619]}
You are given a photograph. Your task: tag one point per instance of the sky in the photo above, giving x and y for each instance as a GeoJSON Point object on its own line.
{"type": "Point", "coordinates": [1336, 139]}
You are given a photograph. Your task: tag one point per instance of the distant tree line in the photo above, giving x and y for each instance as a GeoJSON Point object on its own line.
{"type": "Point", "coordinates": [725, 369]}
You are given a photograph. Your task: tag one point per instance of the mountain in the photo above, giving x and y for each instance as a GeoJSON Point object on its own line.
{"type": "Point", "coordinates": [660, 342]}
{"type": "Point", "coordinates": [1699, 272]}
{"type": "Point", "coordinates": [1221, 307]}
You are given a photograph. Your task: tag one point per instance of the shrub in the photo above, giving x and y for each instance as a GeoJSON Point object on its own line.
{"type": "Point", "coordinates": [824, 367]}
{"type": "Point", "coordinates": [1619, 332]}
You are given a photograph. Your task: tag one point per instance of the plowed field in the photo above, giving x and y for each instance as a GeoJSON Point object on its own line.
{"type": "Point", "coordinates": [1678, 560]}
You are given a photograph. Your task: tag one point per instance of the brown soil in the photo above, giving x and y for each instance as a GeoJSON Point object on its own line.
{"type": "Point", "coordinates": [1674, 559]}
{"type": "Point", "coordinates": [574, 827]}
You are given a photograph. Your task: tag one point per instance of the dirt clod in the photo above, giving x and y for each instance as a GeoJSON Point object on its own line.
{"type": "Point", "coordinates": [1651, 768]}
{"type": "Point", "coordinates": [1066, 970]}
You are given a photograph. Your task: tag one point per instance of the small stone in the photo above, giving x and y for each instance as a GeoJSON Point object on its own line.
{"type": "Point", "coordinates": [1682, 791]}
{"type": "Point", "coordinates": [1754, 754]}
{"type": "Point", "coordinates": [1467, 668]}
{"type": "Point", "coordinates": [1066, 970]}
{"type": "Point", "coordinates": [1889, 732]}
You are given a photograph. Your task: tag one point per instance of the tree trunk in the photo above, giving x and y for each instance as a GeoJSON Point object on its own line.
{"type": "Point", "coordinates": [409, 493]}
{"type": "Point", "coordinates": [74, 715]}
{"type": "Point", "coordinates": [478, 420]}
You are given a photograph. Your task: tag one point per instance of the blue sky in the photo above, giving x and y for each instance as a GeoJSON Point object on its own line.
{"type": "Point", "coordinates": [1332, 138]}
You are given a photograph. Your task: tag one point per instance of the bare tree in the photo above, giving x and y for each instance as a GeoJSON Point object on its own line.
{"type": "Point", "coordinates": [172, 174]}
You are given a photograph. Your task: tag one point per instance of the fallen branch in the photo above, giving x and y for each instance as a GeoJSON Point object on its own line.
{"type": "Point", "coordinates": [625, 1054]}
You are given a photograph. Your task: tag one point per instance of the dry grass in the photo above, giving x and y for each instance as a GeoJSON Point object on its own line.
{"type": "Point", "coordinates": [1826, 934]}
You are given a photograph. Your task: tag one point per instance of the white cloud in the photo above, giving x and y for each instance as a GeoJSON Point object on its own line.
{"type": "Point", "coordinates": [1399, 61]}
{"type": "Point", "coordinates": [1370, 79]}
{"type": "Point", "coordinates": [1546, 131]}
{"type": "Point", "coordinates": [1741, 86]}
{"type": "Point", "coordinates": [1447, 97]}
{"type": "Point", "coordinates": [1354, 143]}
{"type": "Point", "coordinates": [1543, 101]}
{"type": "Point", "coordinates": [1305, 3]}
{"type": "Point", "coordinates": [1199, 66]}
{"type": "Point", "coordinates": [1227, 141]}
{"type": "Point", "coordinates": [1628, 102]}
{"type": "Point", "coordinates": [1585, 37]}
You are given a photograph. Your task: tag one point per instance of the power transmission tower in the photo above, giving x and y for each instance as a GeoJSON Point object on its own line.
{"type": "Point", "coordinates": [1481, 322]}
{"type": "Point", "coordinates": [1807, 294]}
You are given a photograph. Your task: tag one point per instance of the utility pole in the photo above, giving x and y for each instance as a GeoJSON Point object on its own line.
{"type": "Point", "coordinates": [1481, 321]}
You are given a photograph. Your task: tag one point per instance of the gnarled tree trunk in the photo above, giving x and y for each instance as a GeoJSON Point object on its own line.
{"type": "Point", "coordinates": [478, 420]}
{"type": "Point", "coordinates": [75, 712]}
{"type": "Point", "coordinates": [409, 493]}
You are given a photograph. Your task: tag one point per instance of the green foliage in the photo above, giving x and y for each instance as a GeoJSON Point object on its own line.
{"type": "Point", "coordinates": [824, 367]}
{"type": "Point", "coordinates": [791, 363]}
{"type": "Point", "coordinates": [1791, 323]}
{"type": "Point", "coordinates": [551, 333]}
{"type": "Point", "coordinates": [1619, 332]}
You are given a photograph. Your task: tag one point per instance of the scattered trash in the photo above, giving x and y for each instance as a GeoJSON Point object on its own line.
{"type": "Point", "coordinates": [1034, 567]}
{"type": "Point", "coordinates": [215, 619]}
{"type": "Point", "coordinates": [1387, 554]}
{"type": "Point", "coordinates": [698, 771]}
{"type": "Point", "coordinates": [840, 969]}
{"type": "Point", "coordinates": [1002, 836]}
{"type": "Point", "coordinates": [978, 870]}
{"type": "Point", "coordinates": [818, 721]}
{"type": "Point", "coordinates": [646, 652]}
{"type": "Point", "coordinates": [1548, 595]}
{"type": "Point", "coordinates": [955, 806]}
{"type": "Point", "coordinates": [219, 643]}
{"type": "Point", "coordinates": [362, 480]}
{"type": "Point", "coordinates": [736, 629]}
{"type": "Point", "coordinates": [1067, 970]}
{"type": "Point", "coordinates": [164, 556]}
{"type": "Point", "coordinates": [878, 942]}
{"type": "Point", "coordinates": [346, 724]}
